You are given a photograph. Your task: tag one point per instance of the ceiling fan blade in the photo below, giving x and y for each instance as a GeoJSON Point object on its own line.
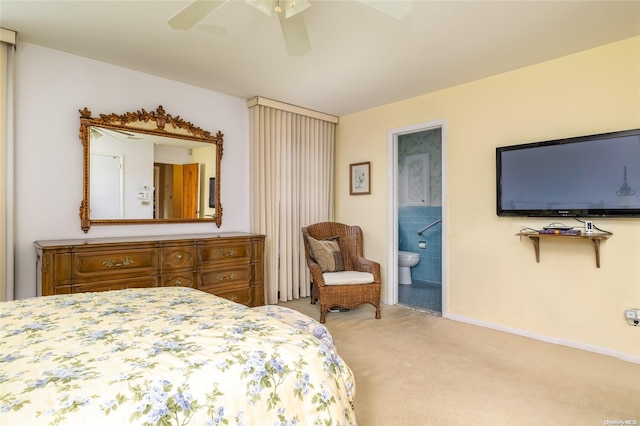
{"type": "Point", "coordinates": [130, 135]}
{"type": "Point", "coordinates": [295, 34]}
{"type": "Point", "coordinates": [98, 132]}
{"type": "Point", "coordinates": [396, 9]}
{"type": "Point", "coordinates": [192, 13]}
{"type": "Point", "coordinates": [213, 29]}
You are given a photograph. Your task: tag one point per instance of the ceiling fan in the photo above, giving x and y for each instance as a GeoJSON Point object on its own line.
{"type": "Point", "coordinates": [98, 132]}
{"type": "Point", "coordinates": [291, 20]}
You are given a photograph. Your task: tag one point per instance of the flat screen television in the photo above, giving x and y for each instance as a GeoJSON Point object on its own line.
{"type": "Point", "coordinates": [585, 176]}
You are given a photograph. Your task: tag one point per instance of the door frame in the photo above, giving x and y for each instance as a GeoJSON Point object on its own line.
{"type": "Point", "coordinates": [392, 213]}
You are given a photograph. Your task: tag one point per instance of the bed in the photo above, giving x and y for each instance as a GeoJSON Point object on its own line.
{"type": "Point", "coordinates": [167, 355]}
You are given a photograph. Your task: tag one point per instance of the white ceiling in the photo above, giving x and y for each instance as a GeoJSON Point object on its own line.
{"type": "Point", "coordinates": [360, 58]}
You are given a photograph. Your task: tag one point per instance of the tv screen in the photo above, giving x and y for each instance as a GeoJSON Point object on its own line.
{"type": "Point", "coordinates": [595, 175]}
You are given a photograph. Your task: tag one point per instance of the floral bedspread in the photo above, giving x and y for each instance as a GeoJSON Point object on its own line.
{"type": "Point", "coordinates": [165, 356]}
{"type": "Point", "coordinates": [300, 321]}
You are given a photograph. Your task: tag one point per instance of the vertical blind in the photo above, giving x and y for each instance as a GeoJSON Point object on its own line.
{"type": "Point", "coordinates": [7, 50]}
{"type": "Point", "coordinates": [291, 184]}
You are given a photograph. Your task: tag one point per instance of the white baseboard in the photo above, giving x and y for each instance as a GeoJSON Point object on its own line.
{"type": "Point", "coordinates": [563, 342]}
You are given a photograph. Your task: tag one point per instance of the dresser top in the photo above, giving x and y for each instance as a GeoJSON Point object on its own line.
{"type": "Point", "coordinates": [141, 239]}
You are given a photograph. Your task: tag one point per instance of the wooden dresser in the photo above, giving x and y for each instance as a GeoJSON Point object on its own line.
{"type": "Point", "coordinates": [229, 265]}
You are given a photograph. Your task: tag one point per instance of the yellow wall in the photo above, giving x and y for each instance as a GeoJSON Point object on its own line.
{"type": "Point", "coordinates": [492, 275]}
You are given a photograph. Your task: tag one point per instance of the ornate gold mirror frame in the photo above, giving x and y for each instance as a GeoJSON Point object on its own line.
{"type": "Point", "coordinates": [158, 128]}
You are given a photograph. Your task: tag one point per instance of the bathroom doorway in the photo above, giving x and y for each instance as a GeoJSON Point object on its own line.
{"type": "Point", "coordinates": [417, 203]}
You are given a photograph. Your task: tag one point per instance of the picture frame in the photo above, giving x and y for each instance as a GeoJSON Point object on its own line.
{"type": "Point", "coordinates": [359, 178]}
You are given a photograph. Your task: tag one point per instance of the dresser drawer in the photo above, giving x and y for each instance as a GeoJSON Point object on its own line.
{"type": "Point", "coordinates": [219, 279]}
{"type": "Point", "coordinates": [240, 294]}
{"type": "Point", "coordinates": [219, 253]}
{"type": "Point", "coordinates": [115, 262]}
{"type": "Point", "coordinates": [140, 282]}
{"type": "Point", "coordinates": [177, 257]}
{"type": "Point", "coordinates": [62, 289]}
{"type": "Point", "coordinates": [185, 279]}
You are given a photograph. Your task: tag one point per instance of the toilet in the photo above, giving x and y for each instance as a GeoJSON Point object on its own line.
{"type": "Point", "coordinates": [406, 260]}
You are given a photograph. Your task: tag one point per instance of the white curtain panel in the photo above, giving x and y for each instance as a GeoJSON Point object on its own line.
{"type": "Point", "coordinates": [292, 157]}
{"type": "Point", "coordinates": [7, 67]}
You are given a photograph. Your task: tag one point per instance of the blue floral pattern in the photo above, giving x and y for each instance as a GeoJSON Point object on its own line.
{"type": "Point", "coordinates": [167, 356]}
{"type": "Point", "coordinates": [300, 321]}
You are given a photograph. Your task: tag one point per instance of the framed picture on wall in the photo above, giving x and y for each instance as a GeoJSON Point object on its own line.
{"type": "Point", "coordinates": [359, 174]}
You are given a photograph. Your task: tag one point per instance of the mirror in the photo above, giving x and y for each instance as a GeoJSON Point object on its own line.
{"type": "Point", "coordinates": [148, 167]}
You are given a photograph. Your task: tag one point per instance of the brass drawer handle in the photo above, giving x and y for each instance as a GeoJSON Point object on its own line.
{"type": "Point", "coordinates": [224, 277]}
{"type": "Point", "coordinates": [178, 283]}
{"type": "Point", "coordinates": [109, 263]}
{"type": "Point", "coordinates": [178, 257]}
{"type": "Point", "coordinates": [225, 253]}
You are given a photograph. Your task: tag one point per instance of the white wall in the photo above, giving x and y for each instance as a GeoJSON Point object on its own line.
{"type": "Point", "coordinates": [51, 88]}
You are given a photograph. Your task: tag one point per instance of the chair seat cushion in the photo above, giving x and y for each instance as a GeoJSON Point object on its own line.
{"type": "Point", "coordinates": [347, 277]}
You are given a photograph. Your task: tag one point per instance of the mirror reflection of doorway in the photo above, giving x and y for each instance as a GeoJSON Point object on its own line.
{"type": "Point", "coordinates": [190, 191]}
{"type": "Point", "coordinates": [107, 188]}
{"type": "Point", "coordinates": [177, 191]}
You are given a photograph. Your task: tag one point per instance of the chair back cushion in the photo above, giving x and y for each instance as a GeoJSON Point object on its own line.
{"type": "Point", "coordinates": [349, 239]}
{"type": "Point", "coordinates": [326, 253]}
{"type": "Point", "coordinates": [347, 277]}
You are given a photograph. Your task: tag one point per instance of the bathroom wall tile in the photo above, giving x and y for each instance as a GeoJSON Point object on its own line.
{"type": "Point", "coordinates": [411, 219]}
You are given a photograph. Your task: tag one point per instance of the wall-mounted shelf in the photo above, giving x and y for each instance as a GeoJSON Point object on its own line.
{"type": "Point", "coordinates": [594, 237]}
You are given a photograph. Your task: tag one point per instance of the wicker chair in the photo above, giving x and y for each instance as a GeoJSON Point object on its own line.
{"type": "Point", "coordinates": [362, 275]}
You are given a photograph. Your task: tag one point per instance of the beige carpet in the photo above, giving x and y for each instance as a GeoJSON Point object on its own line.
{"type": "Point", "coordinates": [413, 368]}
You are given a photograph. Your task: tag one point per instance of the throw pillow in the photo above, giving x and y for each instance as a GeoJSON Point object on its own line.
{"type": "Point", "coordinates": [326, 253]}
